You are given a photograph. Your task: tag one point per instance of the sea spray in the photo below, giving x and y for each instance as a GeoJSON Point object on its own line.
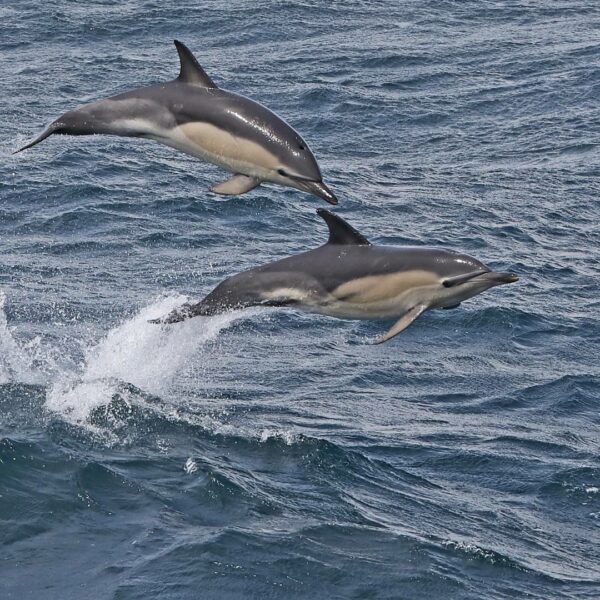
{"type": "Point", "coordinates": [145, 355]}
{"type": "Point", "coordinates": [16, 364]}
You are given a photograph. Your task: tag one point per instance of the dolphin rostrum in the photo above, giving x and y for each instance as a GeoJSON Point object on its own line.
{"type": "Point", "coordinates": [350, 278]}
{"type": "Point", "coordinates": [195, 116]}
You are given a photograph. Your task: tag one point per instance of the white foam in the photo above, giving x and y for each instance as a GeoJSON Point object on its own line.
{"type": "Point", "coordinates": [84, 375]}
{"type": "Point", "coordinates": [191, 466]}
{"type": "Point", "coordinates": [286, 435]}
{"type": "Point", "coordinates": [137, 352]}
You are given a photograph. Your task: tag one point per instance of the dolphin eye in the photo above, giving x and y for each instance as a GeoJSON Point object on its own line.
{"type": "Point", "coordinates": [282, 172]}
{"type": "Point", "coordinates": [301, 146]}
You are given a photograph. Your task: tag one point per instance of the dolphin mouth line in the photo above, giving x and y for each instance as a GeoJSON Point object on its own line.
{"type": "Point", "coordinates": [299, 177]}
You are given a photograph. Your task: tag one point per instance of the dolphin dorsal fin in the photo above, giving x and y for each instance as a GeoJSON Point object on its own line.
{"type": "Point", "coordinates": [191, 71]}
{"type": "Point", "coordinates": [340, 232]}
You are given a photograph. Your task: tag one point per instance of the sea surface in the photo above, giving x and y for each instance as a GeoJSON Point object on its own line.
{"type": "Point", "coordinates": [277, 454]}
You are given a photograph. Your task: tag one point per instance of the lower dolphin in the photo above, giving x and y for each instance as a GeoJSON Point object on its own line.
{"type": "Point", "coordinates": [350, 278]}
{"type": "Point", "coordinates": [195, 116]}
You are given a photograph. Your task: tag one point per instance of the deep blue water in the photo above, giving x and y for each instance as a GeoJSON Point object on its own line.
{"type": "Point", "coordinates": [278, 454]}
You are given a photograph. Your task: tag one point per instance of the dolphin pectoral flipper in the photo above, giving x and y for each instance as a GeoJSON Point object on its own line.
{"type": "Point", "coordinates": [402, 323]}
{"type": "Point", "coordinates": [236, 185]}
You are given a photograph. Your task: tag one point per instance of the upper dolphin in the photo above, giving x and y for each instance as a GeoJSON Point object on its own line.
{"type": "Point", "coordinates": [195, 116]}
{"type": "Point", "coordinates": [350, 278]}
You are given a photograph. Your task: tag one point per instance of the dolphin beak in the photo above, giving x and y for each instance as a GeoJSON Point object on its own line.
{"type": "Point", "coordinates": [318, 188]}
{"type": "Point", "coordinates": [496, 278]}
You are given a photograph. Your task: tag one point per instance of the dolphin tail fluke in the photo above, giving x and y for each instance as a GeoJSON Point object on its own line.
{"type": "Point", "coordinates": [187, 311]}
{"type": "Point", "coordinates": [40, 138]}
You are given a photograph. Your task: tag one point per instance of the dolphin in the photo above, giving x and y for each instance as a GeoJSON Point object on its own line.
{"type": "Point", "coordinates": [350, 278]}
{"type": "Point", "coordinates": [195, 116]}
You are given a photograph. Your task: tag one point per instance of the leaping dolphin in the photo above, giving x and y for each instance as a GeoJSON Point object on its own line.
{"type": "Point", "coordinates": [350, 278]}
{"type": "Point", "coordinates": [195, 116]}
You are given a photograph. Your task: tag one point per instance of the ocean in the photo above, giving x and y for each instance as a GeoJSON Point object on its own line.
{"type": "Point", "coordinates": [273, 453]}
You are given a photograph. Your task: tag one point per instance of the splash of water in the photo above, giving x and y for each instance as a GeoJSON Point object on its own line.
{"type": "Point", "coordinates": [136, 352]}
{"type": "Point", "coordinates": [132, 363]}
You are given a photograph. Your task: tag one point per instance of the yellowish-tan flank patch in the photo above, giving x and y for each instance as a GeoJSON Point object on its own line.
{"type": "Point", "coordinates": [375, 288]}
{"type": "Point", "coordinates": [221, 143]}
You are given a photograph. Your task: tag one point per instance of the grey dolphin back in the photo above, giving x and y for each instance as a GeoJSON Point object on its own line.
{"type": "Point", "coordinates": [190, 70]}
{"type": "Point", "coordinates": [244, 290]}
